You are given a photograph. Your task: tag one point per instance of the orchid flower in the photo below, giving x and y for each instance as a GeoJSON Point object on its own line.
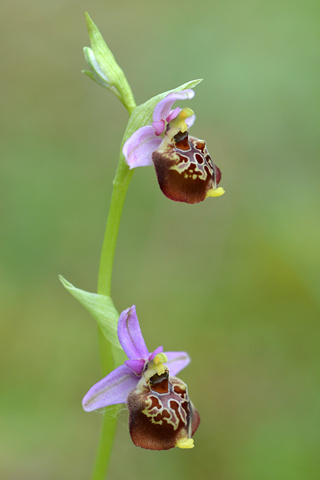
{"type": "Point", "coordinates": [161, 416]}
{"type": "Point", "coordinates": [183, 165]}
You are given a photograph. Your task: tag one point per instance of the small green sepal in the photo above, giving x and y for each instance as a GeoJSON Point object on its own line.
{"type": "Point", "coordinates": [96, 72]}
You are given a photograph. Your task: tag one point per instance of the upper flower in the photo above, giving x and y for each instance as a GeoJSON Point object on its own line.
{"type": "Point", "coordinates": [183, 165]}
{"type": "Point", "coordinates": [161, 415]}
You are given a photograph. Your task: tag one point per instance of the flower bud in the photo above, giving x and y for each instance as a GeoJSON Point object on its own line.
{"type": "Point", "coordinates": [104, 68]}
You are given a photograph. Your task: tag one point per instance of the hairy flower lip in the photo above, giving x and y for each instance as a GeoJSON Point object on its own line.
{"type": "Point", "coordinates": [161, 415]}
{"type": "Point", "coordinates": [185, 170]}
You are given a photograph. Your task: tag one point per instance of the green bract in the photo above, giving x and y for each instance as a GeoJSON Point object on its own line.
{"type": "Point", "coordinates": [102, 310]}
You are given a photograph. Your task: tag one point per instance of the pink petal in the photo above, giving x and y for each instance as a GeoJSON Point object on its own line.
{"type": "Point", "coordinates": [139, 147]}
{"type": "Point", "coordinates": [159, 127]}
{"type": "Point", "coordinates": [163, 108]}
{"type": "Point", "coordinates": [176, 361]}
{"type": "Point", "coordinates": [130, 335]}
{"type": "Point", "coordinates": [112, 389]}
{"type": "Point", "coordinates": [156, 351]}
{"type": "Point", "coordinates": [190, 120]}
{"type": "Point", "coordinates": [173, 114]}
{"type": "Point", "coordinates": [136, 366]}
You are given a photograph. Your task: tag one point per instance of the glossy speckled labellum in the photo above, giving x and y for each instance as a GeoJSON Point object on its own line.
{"type": "Point", "coordinates": [161, 415]}
{"type": "Point", "coordinates": [185, 170]}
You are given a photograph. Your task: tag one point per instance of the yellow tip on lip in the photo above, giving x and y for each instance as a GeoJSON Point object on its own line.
{"type": "Point", "coordinates": [215, 192]}
{"type": "Point", "coordinates": [185, 443]}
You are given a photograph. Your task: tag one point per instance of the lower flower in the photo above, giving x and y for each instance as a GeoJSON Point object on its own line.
{"type": "Point", "coordinates": [161, 415]}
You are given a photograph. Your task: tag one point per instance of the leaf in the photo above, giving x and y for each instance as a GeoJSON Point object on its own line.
{"type": "Point", "coordinates": [142, 115]}
{"type": "Point", "coordinates": [100, 307]}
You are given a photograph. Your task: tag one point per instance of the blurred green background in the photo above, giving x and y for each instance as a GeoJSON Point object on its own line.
{"type": "Point", "coordinates": [234, 281]}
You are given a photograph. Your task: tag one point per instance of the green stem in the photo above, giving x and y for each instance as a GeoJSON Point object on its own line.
{"type": "Point", "coordinates": [109, 422]}
{"type": "Point", "coordinates": [120, 186]}
{"type": "Point", "coordinates": [108, 430]}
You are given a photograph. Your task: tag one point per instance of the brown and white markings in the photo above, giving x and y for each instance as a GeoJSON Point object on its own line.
{"type": "Point", "coordinates": [185, 170]}
{"type": "Point", "coordinates": [161, 415]}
